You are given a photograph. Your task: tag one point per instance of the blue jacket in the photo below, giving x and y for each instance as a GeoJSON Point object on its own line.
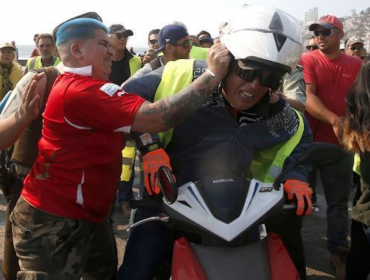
{"type": "Point", "coordinates": [211, 141]}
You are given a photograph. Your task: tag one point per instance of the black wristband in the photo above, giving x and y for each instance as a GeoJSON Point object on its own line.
{"type": "Point", "coordinates": [151, 147]}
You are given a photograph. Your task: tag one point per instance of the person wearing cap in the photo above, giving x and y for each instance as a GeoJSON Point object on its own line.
{"type": "Point", "coordinates": [205, 39]}
{"type": "Point", "coordinates": [227, 134]}
{"type": "Point", "coordinates": [174, 43]}
{"type": "Point", "coordinates": [328, 75]}
{"type": "Point", "coordinates": [10, 71]}
{"type": "Point", "coordinates": [124, 64]}
{"type": "Point", "coordinates": [46, 45]}
{"type": "Point", "coordinates": [63, 230]}
{"type": "Point", "coordinates": [355, 47]}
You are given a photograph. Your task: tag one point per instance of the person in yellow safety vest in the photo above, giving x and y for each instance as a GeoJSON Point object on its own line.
{"type": "Point", "coordinates": [124, 64]}
{"type": "Point", "coordinates": [245, 127]}
{"type": "Point", "coordinates": [46, 45]}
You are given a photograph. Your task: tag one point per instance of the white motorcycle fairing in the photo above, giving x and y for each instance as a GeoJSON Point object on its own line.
{"type": "Point", "coordinates": [260, 199]}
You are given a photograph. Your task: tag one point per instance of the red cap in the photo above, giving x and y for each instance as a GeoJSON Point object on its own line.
{"type": "Point", "coordinates": [327, 22]}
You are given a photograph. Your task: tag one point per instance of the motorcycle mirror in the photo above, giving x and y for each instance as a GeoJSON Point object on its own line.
{"type": "Point", "coordinates": [167, 184]}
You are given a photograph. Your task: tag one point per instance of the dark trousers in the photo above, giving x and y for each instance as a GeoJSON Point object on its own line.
{"type": "Point", "coordinates": [337, 182]}
{"type": "Point", "coordinates": [358, 260]}
{"type": "Point", "coordinates": [13, 189]}
{"type": "Point", "coordinates": [149, 244]}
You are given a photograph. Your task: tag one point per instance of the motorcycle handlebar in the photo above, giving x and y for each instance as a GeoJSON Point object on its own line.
{"type": "Point", "coordinates": [145, 203]}
{"type": "Point", "coordinates": [289, 207]}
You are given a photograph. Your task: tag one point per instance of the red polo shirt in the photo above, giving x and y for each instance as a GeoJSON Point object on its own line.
{"type": "Point", "coordinates": [79, 163]}
{"type": "Point", "coordinates": [332, 79]}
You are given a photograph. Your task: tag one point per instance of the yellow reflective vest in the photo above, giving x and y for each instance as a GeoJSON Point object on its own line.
{"type": "Point", "coordinates": [36, 63]}
{"type": "Point", "coordinates": [135, 64]}
{"type": "Point", "coordinates": [198, 52]}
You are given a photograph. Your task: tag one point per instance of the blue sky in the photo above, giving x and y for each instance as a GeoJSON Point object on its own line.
{"type": "Point", "coordinates": [26, 18]}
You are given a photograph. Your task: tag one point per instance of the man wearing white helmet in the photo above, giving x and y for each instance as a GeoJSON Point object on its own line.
{"type": "Point", "coordinates": [243, 117]}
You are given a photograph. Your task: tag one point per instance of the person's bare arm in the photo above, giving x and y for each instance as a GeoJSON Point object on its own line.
{"type": "Point", "coordinates": [12, 127]}
{"type": "Point", "coordinates": [317, 109]}
{"type": "Point", "coordinates": [168, 112]}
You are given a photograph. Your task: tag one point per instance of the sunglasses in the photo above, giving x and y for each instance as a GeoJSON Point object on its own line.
{"type": "Point", "coordinates": [359, 48]}
{"type": "Point", "coordinates": [121, 35]}
{"type": "Point", "coordinates": [268, 79]}
{"type": "Point", "coordinates": [153, 42]}
{"type": "Point", "coordinates": [185, 44]}
{"type": "Point", "coordinates": [325, 32]}
{"type": "Point", "coordinates": [310, 48]}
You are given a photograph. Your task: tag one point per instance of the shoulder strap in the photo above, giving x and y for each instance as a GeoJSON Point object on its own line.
{"type": "Point", "coordinates": [51, 75]}
{"type": "Point", "coordinates": [33, 62]}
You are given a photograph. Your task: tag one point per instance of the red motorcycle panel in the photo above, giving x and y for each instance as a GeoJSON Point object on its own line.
{"type": "Point", "coordinates": [185, 265]}
{"type": "Point", "coordinates": [282, 267]}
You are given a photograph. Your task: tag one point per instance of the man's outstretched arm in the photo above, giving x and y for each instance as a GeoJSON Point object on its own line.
{"type": "Point", "coordinates": [168, 112]}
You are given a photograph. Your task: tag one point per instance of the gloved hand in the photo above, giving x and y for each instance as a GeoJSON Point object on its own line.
{"type": "Point", "coordinates": [152, 160]}
{"type": "Point", "coordinates": [302, 193]}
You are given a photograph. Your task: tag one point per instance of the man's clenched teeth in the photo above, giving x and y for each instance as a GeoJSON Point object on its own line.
{"type": "Point", "coordinates": [246, 94]}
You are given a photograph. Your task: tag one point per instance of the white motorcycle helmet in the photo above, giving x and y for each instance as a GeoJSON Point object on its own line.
{"type": "Point", "coordinates": [263, 35]}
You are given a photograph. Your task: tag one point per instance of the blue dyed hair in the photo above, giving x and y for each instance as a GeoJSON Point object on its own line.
{"type": "Point", "coordinates": [81, 28]}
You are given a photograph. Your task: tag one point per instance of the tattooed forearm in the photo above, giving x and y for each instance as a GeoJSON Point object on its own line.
{"type": "Point", "coordinates": [175, 108]}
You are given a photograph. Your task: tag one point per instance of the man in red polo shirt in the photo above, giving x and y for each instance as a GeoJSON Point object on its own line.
{"type": "Point", "coordinates": [60, 224]}
{"type": "Point", "coordinates": [328, 75]}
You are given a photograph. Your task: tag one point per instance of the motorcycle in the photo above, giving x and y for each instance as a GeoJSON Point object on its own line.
{"type": "Point", "coordinates": [229, 213]}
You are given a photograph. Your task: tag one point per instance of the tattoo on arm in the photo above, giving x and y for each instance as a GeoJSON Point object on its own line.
{"type": "Point", "coordinates": [175, 108]}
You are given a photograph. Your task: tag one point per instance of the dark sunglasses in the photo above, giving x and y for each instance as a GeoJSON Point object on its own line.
{"type": "Point", "coordinates": [325, 32]}
{"type": "Point", "coordinates": [185, 44]}
{"type": "Point", "coordinates": [359, 48]}
{"type": "Point", "coordinates": [268, 79]}
{"type": "Point", "coordinates": [153, 42]}
{"type": "Point", "coordinates": [310, 48]}
{"type": "Point", "coordinates": [121, 35]}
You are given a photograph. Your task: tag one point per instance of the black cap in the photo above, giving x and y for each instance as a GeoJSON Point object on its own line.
{"type": "Point", "coordinates": [119, 28]}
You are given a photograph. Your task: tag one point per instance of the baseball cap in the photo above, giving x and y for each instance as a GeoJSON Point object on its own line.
{"type": "Point", "coordinates": [206, 39]}
{"type": "Point", "coordinates": [170, 34]}
{"type": "Point", "coordinates": [119, 28]}
{"type": "Point", "coordinates": [7, 45]}
{"type": "Point", "coordinates": [354, 40]}
{"type": "Point", "coordinates": [328, 22]}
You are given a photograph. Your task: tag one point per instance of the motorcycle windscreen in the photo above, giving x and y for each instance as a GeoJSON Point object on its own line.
{"type": "Point", "coordinates": [245, 262]}
{"type": "Point", "coordinates": [224, 195]}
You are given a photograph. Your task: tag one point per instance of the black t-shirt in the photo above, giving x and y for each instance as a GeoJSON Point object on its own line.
{"type": "Point", "coordinates": [121, 69]}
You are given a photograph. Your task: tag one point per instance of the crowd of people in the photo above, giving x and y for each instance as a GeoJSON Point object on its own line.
{"type": "Point", "coordinates": [74, 120]}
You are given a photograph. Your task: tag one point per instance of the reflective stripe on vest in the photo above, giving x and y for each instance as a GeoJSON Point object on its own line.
{"type": "Point", "coordinates": [176, 76]}
{"type": "Point", "coordinates": [356, 164]}
{"type": "Point", "coordinates": [128, 159]}
{"type": "Point", "coordinates": [268, 164]}
{"type": "Point", "coordinates": [135, 64]}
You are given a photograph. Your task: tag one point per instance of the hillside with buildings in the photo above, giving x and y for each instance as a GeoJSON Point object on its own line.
{"type": "Point", "coordinates": [357, 24]}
